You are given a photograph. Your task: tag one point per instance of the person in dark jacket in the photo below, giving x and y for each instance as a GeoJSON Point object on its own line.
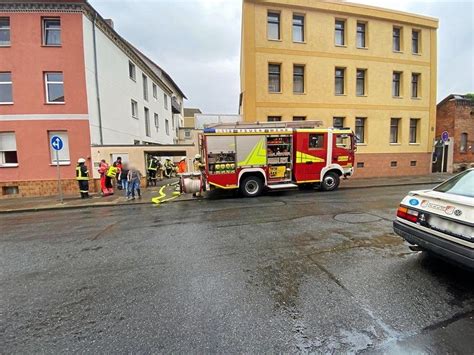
{"type": "Point", "coordinates": [124, 178]}
{"type": "Point", "coordinates": [82, 177]}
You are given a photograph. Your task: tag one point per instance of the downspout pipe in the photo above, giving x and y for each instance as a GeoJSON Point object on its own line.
{"type": "Point", "coordinates": [99, 111]}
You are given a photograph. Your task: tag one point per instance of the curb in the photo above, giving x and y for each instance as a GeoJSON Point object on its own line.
{"type": "Point", "coordinates": [390, 185]}
{"type": "Point", "coordinates": [121, 204]}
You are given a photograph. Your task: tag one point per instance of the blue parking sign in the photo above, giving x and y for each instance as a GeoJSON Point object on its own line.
{"type": "Point", "coordinates": [57, 143]}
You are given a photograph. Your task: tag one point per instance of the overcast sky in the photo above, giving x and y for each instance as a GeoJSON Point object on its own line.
{"type": "Point", "coordinates": [198, 43]}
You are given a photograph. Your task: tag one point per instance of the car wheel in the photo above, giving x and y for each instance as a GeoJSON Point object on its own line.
{"type": "Point", "coordinates": [251, 186]}
{"type": "Point", "coordinates": [330, 181]}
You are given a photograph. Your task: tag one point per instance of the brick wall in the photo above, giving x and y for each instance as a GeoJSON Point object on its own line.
{"type": "Point", "coordinates": [457, 117]}
{"type": "Point", "coordinates": [380, 165]}
{"type": "Point", "coordinates": [49, 187]}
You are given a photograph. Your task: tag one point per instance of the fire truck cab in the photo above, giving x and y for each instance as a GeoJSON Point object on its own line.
{"type": "Point", "coordinates": [251, 157]}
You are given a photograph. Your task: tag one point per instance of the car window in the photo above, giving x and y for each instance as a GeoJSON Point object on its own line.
{"type": "Point", "coordinates": [316, 141]}
{"type": "Point", "coordinates": [462, 184]}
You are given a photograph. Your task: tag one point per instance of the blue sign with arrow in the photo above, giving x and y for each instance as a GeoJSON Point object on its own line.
{"type": "Point", "coordinates": [57, 143]}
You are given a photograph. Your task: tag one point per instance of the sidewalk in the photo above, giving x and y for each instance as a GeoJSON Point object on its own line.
{"type": "Point", "coordinates": [118, 199]}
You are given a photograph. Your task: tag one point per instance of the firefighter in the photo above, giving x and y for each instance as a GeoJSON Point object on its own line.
{"type": "Point", "coordinates": [199, 168]}
{"type": "Point", "coordinates": [82, 177]}
{"type": "Point", "coordinates": [182, 166]}
{"type": "Point", "coordinates": [169, 167]}
{"type": "Point", "coordinates": [152, 169]}
{"type": "Point", "coordinates": [198, 164]}
{"type": "Point", "coordinates": [109, 178]}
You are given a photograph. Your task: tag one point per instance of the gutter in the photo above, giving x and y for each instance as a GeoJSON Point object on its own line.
{"type": "Point", "coordinates": [96, 75]}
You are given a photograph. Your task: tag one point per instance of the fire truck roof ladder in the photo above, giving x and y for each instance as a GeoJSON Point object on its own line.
{"type": "Point", "coordinates": [280, 124]}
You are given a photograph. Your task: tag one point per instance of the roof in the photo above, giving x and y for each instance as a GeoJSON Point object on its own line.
{"type": "Point", "coordinates": [190, 112]}
{"type": "Point", "coordinates": [455, 97]}
{"type": "Point", "coordinates": [156, 68]}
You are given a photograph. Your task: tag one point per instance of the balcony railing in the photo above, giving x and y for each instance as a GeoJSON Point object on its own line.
{"type": "Point", "coordinates": [175, 105]}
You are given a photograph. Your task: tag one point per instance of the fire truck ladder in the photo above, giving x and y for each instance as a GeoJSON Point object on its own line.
{"type": "Point", "coordinates": [267, 125]}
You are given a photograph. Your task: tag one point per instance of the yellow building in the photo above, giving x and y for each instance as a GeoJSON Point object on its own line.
{"type": "Point", "coordinates": [349, 65]}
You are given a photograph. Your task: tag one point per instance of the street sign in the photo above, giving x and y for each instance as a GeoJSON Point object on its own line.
{"type": "Point", "coordinates": [445, 136]}
{"type": "Point", "coordinates": [57, 143]}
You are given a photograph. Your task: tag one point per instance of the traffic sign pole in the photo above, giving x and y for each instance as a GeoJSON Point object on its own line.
{"type": "Point", "coordinates": [57, 144]}
{"type": "Point", "coordinates": [60, 190]}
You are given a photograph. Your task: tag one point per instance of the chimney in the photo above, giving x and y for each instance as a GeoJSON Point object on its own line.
{"type": "Point", "coordinates": [109, 22]}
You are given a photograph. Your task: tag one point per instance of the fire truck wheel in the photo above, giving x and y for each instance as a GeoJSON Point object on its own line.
{"type": "Point", "coordinates": [330, 181]}
{"type": "Point", "coordinates": [251, 186]}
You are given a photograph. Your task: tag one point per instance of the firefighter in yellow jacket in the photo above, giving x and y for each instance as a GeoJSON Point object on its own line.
{"type": "Point", "coordinates": [199, 167]}
{"type": "Point", "coordinates": [82, 177]}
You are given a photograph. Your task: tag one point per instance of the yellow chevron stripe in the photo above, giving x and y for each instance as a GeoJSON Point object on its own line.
{"type": "Point", "coordinates": [303, 158]}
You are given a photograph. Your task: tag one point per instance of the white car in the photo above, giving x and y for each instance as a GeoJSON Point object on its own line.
{"type": "Point", "coordinates": [441, 220]}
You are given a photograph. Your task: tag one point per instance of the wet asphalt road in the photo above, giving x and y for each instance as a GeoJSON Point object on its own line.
{"type": "Point", "coordinates": [294, 271]}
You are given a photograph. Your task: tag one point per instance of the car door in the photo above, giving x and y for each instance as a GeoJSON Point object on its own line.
{"type": "Point", "coordinates": [311, 149]}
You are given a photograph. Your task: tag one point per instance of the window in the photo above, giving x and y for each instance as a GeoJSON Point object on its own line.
{"type": "Point", "coordinates": [63, 154]}
{"type": "Point", "coordinates": [54, 84]}
{"type": "Point", "coordinates": [155, 91]}
{"type": "Point", "coordinates": [394, 125]}
{"type": "Point", "coordinates": [298, 79]}
{"type": "Point", "coordinates": [360, 129]}
{"type": "Point", "coordinates": [4, 31]}
{"type": "Point", "coordinates": [338, 122]}
{"type": "Point", "coordinates": [6, 88]}
{"type": "Point", "coordinates": [396, 84]}
{"type": "Point", "coordinates": [132, 71]}
{"type": "Point", "coordinates": [134, 109]}
{"type": "Point", "coordinates": [360, 164]}
{"type": "Point", "coordinates": [299, 118]}
{"type": "Point", "coordinates": [273, 26]}
{"type": "Point", "coordinates": [298, 28]}
{"type": "Point", "coordinates": [463, 143]}
{"type": "Point", "coordinates": [361, 35]}
{"type": "Point", "coordinates": [147, 122]}
{"type": "Point", "coordinates": [187, 134]}
{"type": "Point", "coordinates": [274, 78]}
{"type": "Point", "coordinates": [360, 82]}
{"type": "Point", "coordinates": [339, 81]}
{"type": "Point", "coordinates": [8, 156]}
{"type": "Point", "coordinates": [316, 141]}
{"type": "Point", "coordinates": [393, 164]}
{"type": "Point", "coordinates": [415, 82]}
{"type": "Point", "coordinates": [157, 121]}
{"type": "Point", "coordinates": [397, 34]}
{"type": "Point", "coordinates": [413, 163]}
{"type": "Point", "coordinates": [51, 32]}
{"type": "Point", "coordinates": [167, 127]}
{"type": "Point", "coordinates": [165, 101]}
{"type": "Point", "coordinates": [274, 118]}
{"type": "Point", "coordinates": [339, 32]}
{"type": "Point", "coordinates": [145, 87]}
{"type": "Point", "coordinates": [415, 41]}
{"type": "Point", "coordinates": [414, 130]}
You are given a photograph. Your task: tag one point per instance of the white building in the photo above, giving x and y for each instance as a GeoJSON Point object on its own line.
{"type": "Point", "coordinates": [131, 100]}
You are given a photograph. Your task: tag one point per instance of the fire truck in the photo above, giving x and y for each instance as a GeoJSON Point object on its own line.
{"type": "Point", "coordinates": [252, 157]}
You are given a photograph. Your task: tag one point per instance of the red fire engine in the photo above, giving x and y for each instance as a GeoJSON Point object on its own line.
{"type": "Point", "coordinates": [251, 157]}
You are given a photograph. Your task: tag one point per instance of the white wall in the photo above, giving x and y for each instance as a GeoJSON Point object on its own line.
{"type": "Point", "coordinates": [116, 92]}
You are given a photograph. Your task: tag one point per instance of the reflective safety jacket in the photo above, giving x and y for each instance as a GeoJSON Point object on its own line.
{"type": "Point", "coordinates": [198, 166]}
{"type": "Point", "coordinates": [112, 172]}
{"type": "Point", "coordinates": [153, 165]}
{"type": "Point", "coordinates": [169, 164]}
{"type": "Point", "coordinates": [82, 173]}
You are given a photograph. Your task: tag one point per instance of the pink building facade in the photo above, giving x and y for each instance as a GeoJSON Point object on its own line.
{"type": "Point", "coordinates": [42, 93]}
